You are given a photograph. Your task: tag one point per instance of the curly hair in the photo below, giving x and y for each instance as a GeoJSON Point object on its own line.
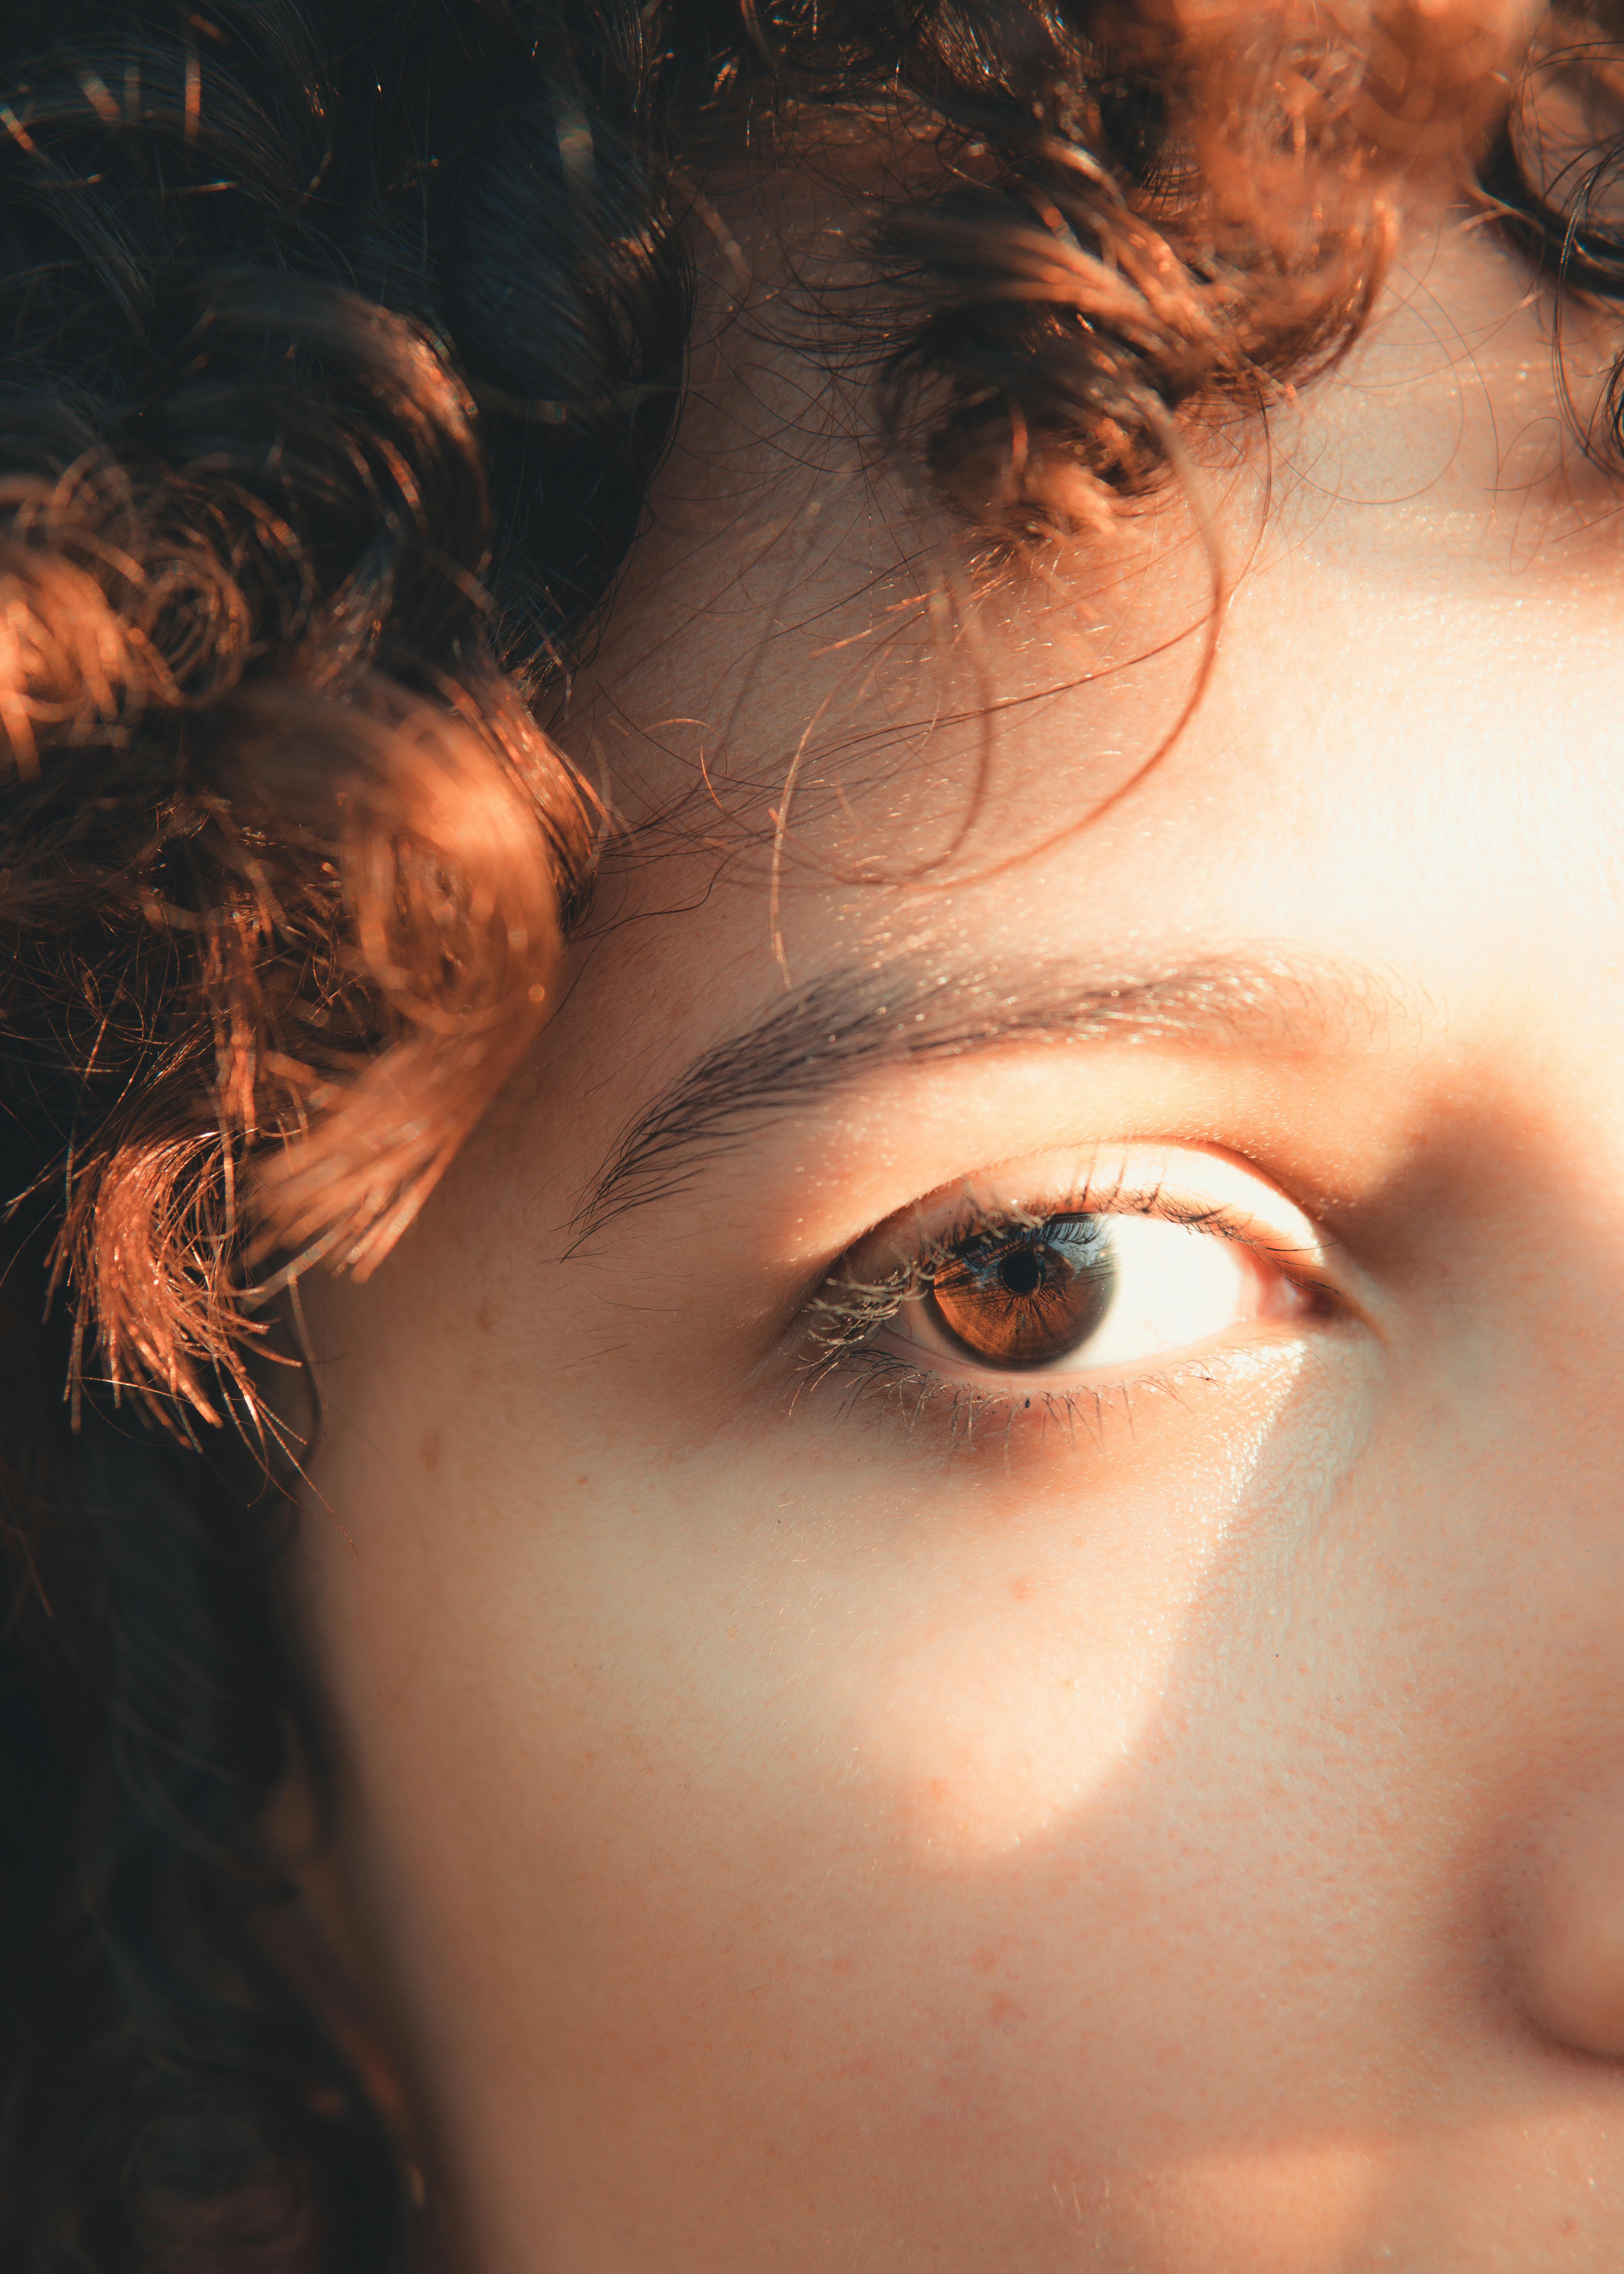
{"type": "Point", "coordinates": [341, 342]}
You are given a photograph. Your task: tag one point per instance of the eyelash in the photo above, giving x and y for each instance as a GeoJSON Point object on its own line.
{"type": "Point", "coordinates": [845, 1315]}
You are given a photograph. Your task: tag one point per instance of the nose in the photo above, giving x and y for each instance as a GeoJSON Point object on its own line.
{"type": "Point", "coordinates": [1571, 1934]}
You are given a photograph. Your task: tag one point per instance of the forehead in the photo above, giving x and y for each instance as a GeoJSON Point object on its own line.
{"type": "Point", "coordinates": [850, 743]}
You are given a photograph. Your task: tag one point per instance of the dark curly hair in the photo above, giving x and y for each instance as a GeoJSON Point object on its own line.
{"type": "Point", "coordinates": [341, 342]}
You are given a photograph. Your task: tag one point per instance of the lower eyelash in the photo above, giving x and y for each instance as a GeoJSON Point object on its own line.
{"type": "Point", "coordinates": [915, 1394]}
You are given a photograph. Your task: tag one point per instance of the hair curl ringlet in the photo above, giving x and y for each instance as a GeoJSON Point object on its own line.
{"type": "Point", "coordinates": [341, 341]}
{"type": "Point", "coordinates": [344, 897]}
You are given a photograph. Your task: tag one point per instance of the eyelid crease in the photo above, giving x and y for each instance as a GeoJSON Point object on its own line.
{"type": "Point", "coordinates": [829, 1033]}
{"type": "Point", "coordinates": [1088, 1191]}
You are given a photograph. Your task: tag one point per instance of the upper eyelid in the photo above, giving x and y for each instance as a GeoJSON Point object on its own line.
{"type": "Point", "coordinates": [1286, 1257]}
{"type": "Point", "coordinates": [1125, 1197]}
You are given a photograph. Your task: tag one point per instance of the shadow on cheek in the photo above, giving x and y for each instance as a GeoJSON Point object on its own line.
{"type": "Point", "coordinates": [1031, 1667]}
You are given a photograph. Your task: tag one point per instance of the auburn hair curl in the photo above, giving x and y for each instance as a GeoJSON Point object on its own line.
{"type": "Point", "coordinates": [339, 342]}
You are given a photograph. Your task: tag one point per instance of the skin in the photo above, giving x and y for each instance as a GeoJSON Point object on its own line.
{"type": "Point", "coordinates": [791, 1824]}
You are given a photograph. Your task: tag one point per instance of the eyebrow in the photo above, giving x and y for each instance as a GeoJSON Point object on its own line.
{"type": "Point", "coordinates": [847, 1022]}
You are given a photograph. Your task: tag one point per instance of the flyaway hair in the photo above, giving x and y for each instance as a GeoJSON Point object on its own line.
{"type": "Point", "coordinates": [340, 344]}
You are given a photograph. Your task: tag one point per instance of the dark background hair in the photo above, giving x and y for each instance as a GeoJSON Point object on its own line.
{"type": "Point", "coordinates": [340, 341]}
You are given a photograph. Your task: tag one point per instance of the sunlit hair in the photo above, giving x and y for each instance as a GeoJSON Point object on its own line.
{"type": "Point", "coordinates": [342, 339]}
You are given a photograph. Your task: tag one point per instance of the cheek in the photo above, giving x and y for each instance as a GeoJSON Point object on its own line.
{"type": "Point", "coordinates": [855, 1821]}
{"type": "Point", "coordinates": [991, 1651]}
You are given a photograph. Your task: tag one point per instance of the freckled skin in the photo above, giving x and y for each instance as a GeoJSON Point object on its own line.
{"type": "Point", "coordinates": [778, 1836]}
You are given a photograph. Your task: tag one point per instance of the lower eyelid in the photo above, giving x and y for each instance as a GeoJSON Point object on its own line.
{"type": "Point", "coordinates": [1079, 1406]}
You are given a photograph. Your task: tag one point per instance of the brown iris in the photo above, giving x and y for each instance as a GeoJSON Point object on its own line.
{"type": "Point", "coordinates": [1028, 1297]}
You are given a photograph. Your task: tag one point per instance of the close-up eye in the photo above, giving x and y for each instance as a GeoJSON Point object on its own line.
{"type": "Point", "coordinates": [1075, 1291]}
{"type": "Point", "coordinates": [1147, 1273]}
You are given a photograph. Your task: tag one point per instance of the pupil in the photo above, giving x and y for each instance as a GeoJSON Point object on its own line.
{"type": "Point", "coordinates": [1021, 1271]}
{"type": "Point", "coordinates": [1029, 1299]}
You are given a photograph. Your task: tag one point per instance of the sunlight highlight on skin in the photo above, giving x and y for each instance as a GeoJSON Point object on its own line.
{"type": "Point", "coordinates": [1028, 1683]}
{"type": "Point", "coordinates": [1302, 2209]}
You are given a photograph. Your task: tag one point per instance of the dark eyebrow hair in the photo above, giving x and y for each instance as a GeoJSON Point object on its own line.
{"type": "Point", "coordinates": [839, 1025]}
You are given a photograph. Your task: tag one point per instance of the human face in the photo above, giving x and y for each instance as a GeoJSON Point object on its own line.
{"type": "Point", "coordinates": [811, 1799]}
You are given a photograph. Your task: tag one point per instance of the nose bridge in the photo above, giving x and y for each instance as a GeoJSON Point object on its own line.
{"type": "Point", "coordinates": [1444, 1642]}
{"type": "Point", "coordinates": [1515, 1405]}
{"type": "Point", "coordinates": [1513, 1234]}
{"type": "Point", "coordinates": [1543, 1316]}
{"type": "Point", "coordinates": [1521, 1423]}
